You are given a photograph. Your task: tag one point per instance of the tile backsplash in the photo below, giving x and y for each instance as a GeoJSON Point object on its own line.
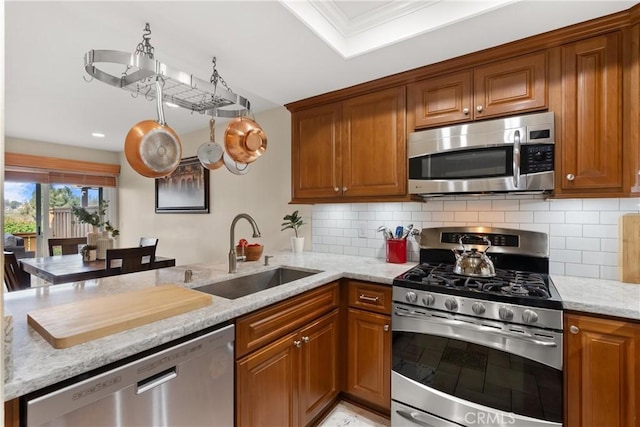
{"type": "Point", "coordinates": [583, 233]}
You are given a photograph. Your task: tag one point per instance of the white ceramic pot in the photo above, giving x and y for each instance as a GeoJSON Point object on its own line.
{"type": "Point", "coordinates": [297, 244]}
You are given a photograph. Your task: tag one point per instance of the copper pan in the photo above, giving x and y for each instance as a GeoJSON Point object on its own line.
{"type": "Point", "coordinates": [244, 140]}
{"type": "Point", "coordinates": [152, 148]}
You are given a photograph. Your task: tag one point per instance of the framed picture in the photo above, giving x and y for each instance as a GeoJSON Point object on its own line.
{"type": "Point", "coordinates": [186, 190]}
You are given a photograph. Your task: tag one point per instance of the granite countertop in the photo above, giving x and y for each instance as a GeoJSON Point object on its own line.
{"type": "Point", "coordinates": [36, 364]}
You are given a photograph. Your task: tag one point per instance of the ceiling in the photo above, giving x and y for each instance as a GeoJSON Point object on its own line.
{"type": "Point", "coordinates": [271, 52]}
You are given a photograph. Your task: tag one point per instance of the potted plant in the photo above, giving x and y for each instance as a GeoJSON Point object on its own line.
{"type": "Point", "coordinates": [294, 221]}
{"type": "Point", "coordinates": [94, 219]}
{"type": "Point", "coordinates": [89, 252]}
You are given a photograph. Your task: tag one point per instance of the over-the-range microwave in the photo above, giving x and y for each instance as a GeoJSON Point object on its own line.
{"type": "Point", "coordinates": [514, 154]}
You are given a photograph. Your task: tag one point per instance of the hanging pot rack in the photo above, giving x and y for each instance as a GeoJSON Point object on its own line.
{"type": "Point", "coordinates": [185, 90]}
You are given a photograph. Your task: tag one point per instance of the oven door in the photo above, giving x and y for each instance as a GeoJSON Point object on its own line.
{"type": "Point", "coordinates": [475, 372]}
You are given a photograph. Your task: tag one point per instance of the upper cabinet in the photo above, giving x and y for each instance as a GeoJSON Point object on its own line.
{"type": "Point", "coordinates": [500, 88]}
{"type": "Point", "coordinates": [350, 150]}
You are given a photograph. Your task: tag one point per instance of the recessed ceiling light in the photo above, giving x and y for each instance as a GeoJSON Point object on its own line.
{"type": "Point", "coordinates": [171, 104]}
{"type": "Point", "coordinates": [98, 134]}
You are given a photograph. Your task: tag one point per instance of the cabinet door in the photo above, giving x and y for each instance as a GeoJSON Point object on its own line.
{"type": "Point", "coordinates": [441, 100]}
{"type": "Point", "coordinates": [319, 381]}
{"type": "Point", "coordinates": [602, 371]}
{"type": "Point", "coordinates": [267, 385]}
{"type": "Point", "coordinates": [316, 152]}
{"type": "Point", "coordinates": [510, 86]}
{"type": "Point", "coordinates": [591, 142]}
{"type": "Point", "coordinates": [374, 149]}
{"type": "Point", "coordinates": [369, 357]}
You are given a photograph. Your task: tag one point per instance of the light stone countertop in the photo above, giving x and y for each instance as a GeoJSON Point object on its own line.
{"type": "Point", "coordinates": [36, 364]}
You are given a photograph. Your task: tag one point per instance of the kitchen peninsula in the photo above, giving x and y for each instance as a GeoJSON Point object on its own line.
{"type": "Point", "coordinates": [35, 364]}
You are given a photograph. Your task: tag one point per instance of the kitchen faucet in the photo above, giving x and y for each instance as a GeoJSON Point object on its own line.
{"type": "Point", "coordinates": [233, 255]}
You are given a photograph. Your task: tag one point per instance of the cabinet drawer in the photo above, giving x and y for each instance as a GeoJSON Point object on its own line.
{"type": "Point", "coordinates": [368, 296]}
{"type": "Point", "coordinates": [264, 326]}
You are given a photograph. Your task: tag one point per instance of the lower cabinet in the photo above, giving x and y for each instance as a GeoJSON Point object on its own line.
{"type": "Point", "coordinates": [369, 345]}
{"type": "Point", "coordinates": [291, 380]}
{"type": "Point", "coordinates": [602, 372]}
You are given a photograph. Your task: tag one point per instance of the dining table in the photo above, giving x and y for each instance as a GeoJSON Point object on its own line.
{"type": "Point", "coordinates": [59, 269]}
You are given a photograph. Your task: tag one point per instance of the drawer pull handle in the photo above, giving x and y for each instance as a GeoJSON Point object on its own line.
{"type": "Point", "coordinates": [386, 328]}
{"type": "Point", "coordinates": [368, 299]}
{"type": "Point", "coordinates": [305, 339]}
{"type": "Point", "coordinates": [297, 343]}
{"type": "Point", "coordinates": [574, 329]}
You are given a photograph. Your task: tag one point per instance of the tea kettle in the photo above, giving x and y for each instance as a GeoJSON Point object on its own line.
{"type": "Point", "coordinates": [473, 263]}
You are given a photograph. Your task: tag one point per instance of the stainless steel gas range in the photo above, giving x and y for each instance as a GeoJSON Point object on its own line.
{"type": "Point", "coordinates": [482, 348]}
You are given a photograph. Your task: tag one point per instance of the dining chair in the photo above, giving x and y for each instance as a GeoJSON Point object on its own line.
{"type": "Point", "coordinates": [148, 241]}
{"type": "Point", "coordinates": [15, 278]}
{"type": "Point", "coordinates": [132, 258]}
{"type": "Point", "coordinates": [69, 245]}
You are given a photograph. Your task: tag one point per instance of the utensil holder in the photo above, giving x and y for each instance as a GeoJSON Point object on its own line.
{"type": "Point", "coordinates": [396, 250]}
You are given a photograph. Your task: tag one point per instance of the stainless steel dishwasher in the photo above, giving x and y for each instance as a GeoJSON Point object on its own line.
{"type": "Point", "coordinates": [189, 384]}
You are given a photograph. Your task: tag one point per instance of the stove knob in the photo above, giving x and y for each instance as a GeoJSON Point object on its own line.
{"type": "Point", "coordinates": [529, 316]}
{"type": "Point", "coordinates": [505, 313]}
{"type": "Point", "coordinates": [451, 304]}
{"type": "Point", "coordinates": [478, 308]}
{"type": "Point", "coordinates": [411, 297]}
{"type": "Point", "coordinates": [428, 300]}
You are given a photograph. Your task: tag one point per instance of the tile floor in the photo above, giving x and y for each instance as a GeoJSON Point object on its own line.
{"type": "Point", "coordinates": [346, 414]}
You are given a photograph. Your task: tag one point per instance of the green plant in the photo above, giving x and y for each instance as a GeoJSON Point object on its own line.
{"type": "Point", "coordinates": [86, 248]}
{"type": "Point", "coordinates": [293, 221]}
{"type": "Point", "coordinates": [95, 218]}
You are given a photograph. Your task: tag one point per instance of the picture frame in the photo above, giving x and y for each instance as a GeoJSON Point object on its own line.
{"type": "Point", "coordinates": [185, 190]}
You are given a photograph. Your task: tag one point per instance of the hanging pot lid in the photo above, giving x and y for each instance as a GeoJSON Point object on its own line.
{"type": "Point", "coordinates": [244, 140]}
{"type": "Point", "coordinates": [210, 153]}
{"type": "Point", "coordinates": [152, 148]}
{"type": "Point", "coordinates": [235, 167]}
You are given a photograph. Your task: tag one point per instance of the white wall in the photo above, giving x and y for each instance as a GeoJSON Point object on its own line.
{"type": "Point", "coordinates": [583, 233]}
{"type": "Point", "coordinates": [264, 193]}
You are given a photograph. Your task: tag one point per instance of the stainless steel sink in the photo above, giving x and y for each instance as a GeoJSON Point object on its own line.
{"type": "Point", "coordinates": [247, 285]}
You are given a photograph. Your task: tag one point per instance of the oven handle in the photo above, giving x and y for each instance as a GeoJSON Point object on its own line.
{"type": "Point", "coordinates": [413, 417]}
{"type": "Point", "coordinates": [474, 327]}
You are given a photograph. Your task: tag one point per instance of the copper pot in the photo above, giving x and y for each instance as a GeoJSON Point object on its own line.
{"type": "Point", "coordinates": [245, 140]}
{"type": "Point", "coordinates": [152, 148]}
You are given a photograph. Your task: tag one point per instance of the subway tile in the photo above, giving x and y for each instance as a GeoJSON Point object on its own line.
{"type": "Point", "coordinates": [320, 231]}
{"type": "Point", "coordinates": [631, 204]}
{"type": "Point", "coordinates": [565, 204]}
{"type": "Point", "coordinates": [479, 205]}
{"type": "Point", "coordinates": [343, 241]}
{"type": "Point", "coordinates": [565, 255]}
{"type": "Point", "coordinates": [384, 215]}
{"type": "Point", "coordinates": [343, 223]}
{"type": "Point", "coordinates": [411, 206]}
{"type": "Point", "coordinates": [466, 217]}
{"type": "Point", "coordinates": [606, 231]}
{"type": "Point", "coordinates": [609, 245]}
{"type": "Point", "coordinates": [519, 217]}
{"type": "Point", "coordinates": [541, 228]}
{"type": "Point", "coordinates": [442, 216]}
{"type": "Point", "coordinates": [358, 207]}
{"type": "Point", "coordinates": [512, 225]}
{"type": "Point", "coordinates": [566, 230]}
{"type": "Point", "coordinates": [351, 215]}
{"type": "Point", "coordinates": [366, 215]}
{"type": "Point", "coordinates": [338, 250]}
{"type": "Point", "coordinates": [490, 217]}
{"type": "Point", "coordinates": [336, 232]}
{"type": "Point", "coordinates": [420, 216]}
{"type": "Point", "coordinates": [375, 207]}
{"type": "Point", "coordinates": [336, 215]}
{"type": "Point", "coordinates": [368, 252]}
{"type": "Point", "coordinates": [317, 247]}
{"type": "Point", "coordinates": [455, 206]}
{"type": "Point", "coordinates": [403, 216]}
{"type": "Point", "coordinates": [556, 242]}
{"type": "Point", "coordinates": [328, 240]}
{"type": "Point", "coordinates": [609, 273]}
{"type": "Point", "coordinates": [549, 217]}
{"type": "Point", "coordinates": [610, 217]}
{"type": "Point", "coordinates": [556, 268]}
{"type": "Point", "coordinates": [601, 204]}
{"type": "Point", "coordinates": [582, 270]}
{"type": "Point", "coordinates": [582, 217]}
{"type": "Point", "coordinates": [350, 250]}
{"type": "Point", "coordinates": [318, 214]}
{"type": "Point", "coordinates": [599, 258]}
{"type": "Point", "coordinates": [534, 205]}
{"type": "Point", "coordinates": [392, 206]}
{"type": "Point", "coordinates": [505, 205]}
{"type": "Point", "coordinates": [433, 206]}
{"type": "Point", "coordinates": [583, 243]}
{"type": "Point", "coordinates": [350, 232]}
{"type": "Point", "coordinates": [360, 242]}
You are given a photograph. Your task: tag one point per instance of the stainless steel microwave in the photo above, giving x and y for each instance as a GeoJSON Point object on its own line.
{"type": "Point", "coordinates": [514, 154]}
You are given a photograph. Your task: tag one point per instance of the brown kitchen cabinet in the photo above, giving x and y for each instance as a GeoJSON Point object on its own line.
{"type": "Point", "coordinates": [589, 130]}
{"type": "Point", "coordinates": [499, 88]}
{"type": "Point", "coordinates": [602, 371]}
{"type": "Point", "coordinates": [368, 374]}
{"type": "Point", "coordinates": [350, 150]}
{"type": "Point", "coordinates": [287, 360]}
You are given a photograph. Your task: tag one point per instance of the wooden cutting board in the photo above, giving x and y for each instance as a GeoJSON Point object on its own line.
{"type": "Point", "coordinates": [77, 322]}
{"type": "Point", "coordinates": [629, 248]}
